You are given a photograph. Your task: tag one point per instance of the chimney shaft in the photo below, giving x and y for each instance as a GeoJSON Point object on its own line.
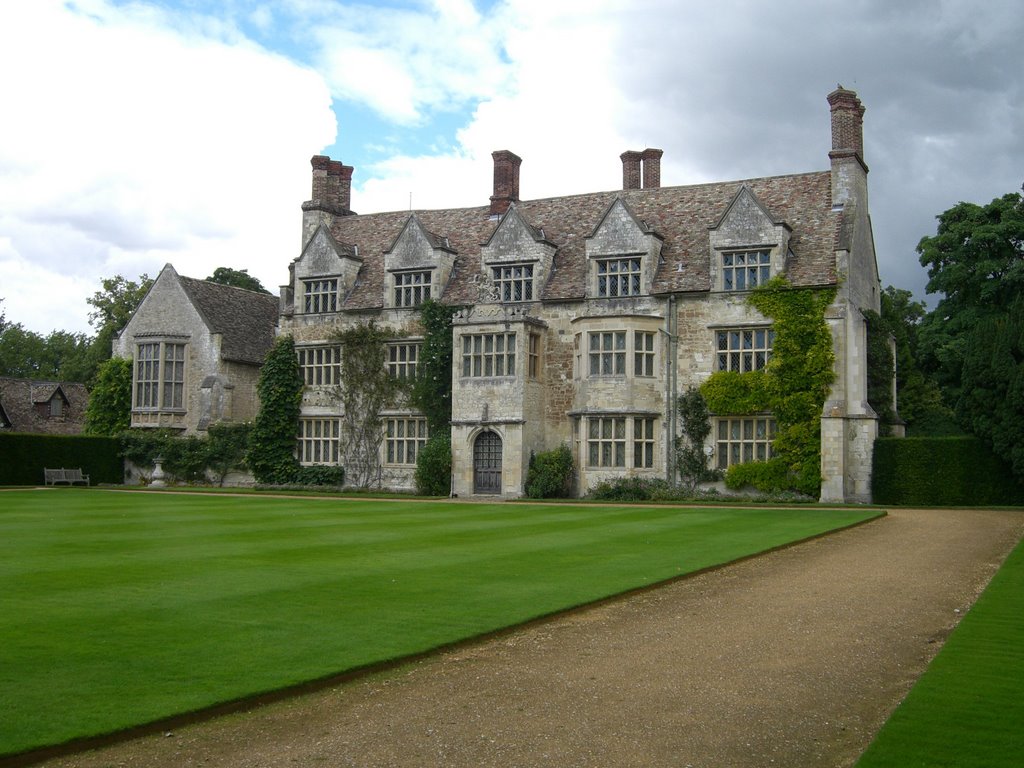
{"type": "Point", "coordinates": [847, 122]}
{"type": "Point", "coordinates": [630, 169]}
{"type": "Point", "coordinates": [332, 184]}
{"type": "Point", "coordinates": [652, 167]}
{"type": "Point", "coordinates": [506, 181]}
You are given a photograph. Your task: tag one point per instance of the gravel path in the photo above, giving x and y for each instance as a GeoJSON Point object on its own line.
{"type": "Point", "coordinates": [794, 658]}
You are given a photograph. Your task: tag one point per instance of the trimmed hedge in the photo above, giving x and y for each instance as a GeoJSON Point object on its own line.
{"type": "Point", "coordinates": [941, 472]}
{"type": "Point", "coordinates": [23, 457]}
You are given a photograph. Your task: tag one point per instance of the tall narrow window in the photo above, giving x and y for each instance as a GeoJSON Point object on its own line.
{"type": "Point", "coordinates": [618, 277]}
{"type": "Point", "coordinates": [643, 443]}
{"type": "Point", "coordinates": [534, 354]}
{"type": "Point", "coordinates": [643, 353]}
{"type": "Point", "coordinates": [412, 288]}
{"type": "Point", "coordinates": [514, 283]}
{"type": "Point", "coordinates": [743, 270]}
{"type": "Point", "coordinates": [321, 296]}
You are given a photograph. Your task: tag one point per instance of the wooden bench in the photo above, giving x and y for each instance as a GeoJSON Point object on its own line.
{"type": "Point", "coordinates": [64, 477]}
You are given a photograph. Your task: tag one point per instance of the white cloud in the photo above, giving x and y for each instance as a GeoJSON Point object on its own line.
{"type": "Point", "coordinates": [144, 139]}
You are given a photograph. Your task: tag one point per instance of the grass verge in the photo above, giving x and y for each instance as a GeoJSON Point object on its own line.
{"type": "Point", "coordinates": [121, 609]}
{"type": "Point", "coordinates": [967, 711]}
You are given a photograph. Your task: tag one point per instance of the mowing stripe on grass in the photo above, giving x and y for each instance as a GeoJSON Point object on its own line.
{"type": "Point", "coordinates": [121, 609]}
{"type": "Point", "coordinates": [967, 711]}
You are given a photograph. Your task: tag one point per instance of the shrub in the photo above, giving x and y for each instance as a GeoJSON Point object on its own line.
{"type": "Point", "coordinates": [23, 457]}
{"type": "Point", "coordinates": [550, 474]}
{"type": "Point", "coordinates": [271, 454]}
{"type": "Point", "coordinates": [320, 475]}
{"type": "Point", "coordinates": [633, 489]}
{"type": "Point", "coordinates": [434, 466]}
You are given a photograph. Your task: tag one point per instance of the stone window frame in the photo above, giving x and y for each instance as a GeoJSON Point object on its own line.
{"type": "Point", "coordinates": [319, 441]}
{"type": "Point", "coordinates": [644, 354]}
{"type": "Point", "coordinates": [512, 279]}
{"type": "Point", "coordinates": [411, 287]}
{"type": "Point", "coordinates": [606, 353]}
{"type": "Point", "coordinates": [533, 355]}
{"type": "Point", "coordinates": [404, 438]}
{"type": "Point", "coordinates": [743, 439]}
{"type": "Point", "coordinates": [403, 358]}
{"type": "Point", "coordinates": [488, 355]}
{"type": "Point", "coordinates": [618, 282]}
{"type": "Point", "coordinates": [620, 441]}
{"type": "Point", "coordinates": [319, 365]}
{"type": "Point", "coordinates": [158, 381]}
{"type": "Point", "coordinates": [320, 294]}
{"type": "Point", "coordinates": [743, 348]}
{"type": "Point", "coordinates": [738, 274]}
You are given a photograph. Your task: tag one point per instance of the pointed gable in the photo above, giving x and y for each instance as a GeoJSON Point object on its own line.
{"type": "Point", "coordinates": [621, 241]}
{"type": "Point", "coordinates": [516, 260]}
{"type": "Point", "coordinates": [748, 244]}
{"type": "Point", "coordinates": [417, 266]}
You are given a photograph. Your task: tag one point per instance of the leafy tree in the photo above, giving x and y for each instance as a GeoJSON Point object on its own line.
{"type": "Point", "coordinates": [23, 353]}
{"type": "Point", "coordinates": [991, 404]}
{"type": "Point", "coordinates": [114, 305]}
{"type": "Point", "coordinates": [110, 403]}
{"type": "Point", "coordinates": [366, 388]}
{"type": "Point", "coordinates": [431, 392]}
{"type": "Point", "coordinates": [976, 262]}
{"type": "Point", "coordinates": [239, 278]}
{"type": "Point", "coordinates": [271, 454]}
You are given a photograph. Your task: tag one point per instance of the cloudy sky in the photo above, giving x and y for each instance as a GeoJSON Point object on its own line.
{"type": "Point", "coordinates": [139, 133]}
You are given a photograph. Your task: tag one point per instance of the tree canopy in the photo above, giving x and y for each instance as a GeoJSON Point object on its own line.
{"type": "Point", "coordinates": [239, 278]}
{"type": "Point", "coordinates": [973, 342]}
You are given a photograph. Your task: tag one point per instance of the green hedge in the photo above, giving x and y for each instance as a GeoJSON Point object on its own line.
{"type": "Point", "coordinates": [941, 471]}
{"type": "Point", "coordinates": [23, 457]}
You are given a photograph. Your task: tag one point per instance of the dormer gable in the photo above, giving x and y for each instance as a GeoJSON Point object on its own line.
{"type": "Point", "coordinates": [417, 266]}
{"type": "Point", "coordinates": [516, 260]}
{"type": "Point", "coordinates": [748, 244]}
{"type": "Point", "coordinates": [622, 254]}
{"type": "Point", "coordinates": [324, 273]}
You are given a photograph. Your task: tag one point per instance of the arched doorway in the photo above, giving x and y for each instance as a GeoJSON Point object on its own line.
{"type": "Point", "coordinates": [487, 463]}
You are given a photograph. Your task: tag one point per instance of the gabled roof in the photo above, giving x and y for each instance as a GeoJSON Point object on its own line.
{"type": "Point", "coordinates": [23, 406]}
{"type": "Point", "coordinates": [245, 319]}
{"type": "Point", "coordinates": [681, 216]}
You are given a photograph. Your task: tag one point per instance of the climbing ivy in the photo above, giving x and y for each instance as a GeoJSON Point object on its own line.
{"type": "Point", "coordinates": [431, 392]}
{"type": "Point", "coordinates": [691, 461]}
{"type": "Point", "coordinates": [271, 454]}
{"type": "Point", "coordinates": [793, 385]}
{"type": "Point", "coordinates": [365, 389]}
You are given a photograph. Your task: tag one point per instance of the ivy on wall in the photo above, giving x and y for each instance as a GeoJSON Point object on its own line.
{"type": "Point", "coordinates": [272, 440]}
{"type": "Point", "coordinates": [431, 392]}
{"type": "Point", "coordinates": [793, 386]}
{"type": "Point", "coordinates": [365, 388]}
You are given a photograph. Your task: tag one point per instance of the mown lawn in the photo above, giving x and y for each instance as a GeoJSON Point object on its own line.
{"type": "Point", "coordinates": [118, 609]}
{"type": "Point", "coordinates": [967, 711]}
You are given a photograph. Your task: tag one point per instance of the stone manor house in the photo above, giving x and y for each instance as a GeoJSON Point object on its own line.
{"type": "Point", "coordinates": [582, 318]}
{"type": "Point", "coordinates": [586, 314]}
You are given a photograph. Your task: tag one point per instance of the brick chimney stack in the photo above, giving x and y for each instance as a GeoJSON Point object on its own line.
{"type": "Point", "coordinates": [332, 185]}
{"type": "Point", "coordinates": [849, 171]}
{"type": "Point", "coordinates": [506, 181]}
{"type": "Point", "coordinates": [847, 122]}
{"type": "Point", "coordinates": [630, 169]}
{"type": "Point", "coordinates": [652, 167]}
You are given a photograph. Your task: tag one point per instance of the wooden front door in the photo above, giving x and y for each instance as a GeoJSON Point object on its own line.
{"type": "Point", "coordinates": [487, 463]}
